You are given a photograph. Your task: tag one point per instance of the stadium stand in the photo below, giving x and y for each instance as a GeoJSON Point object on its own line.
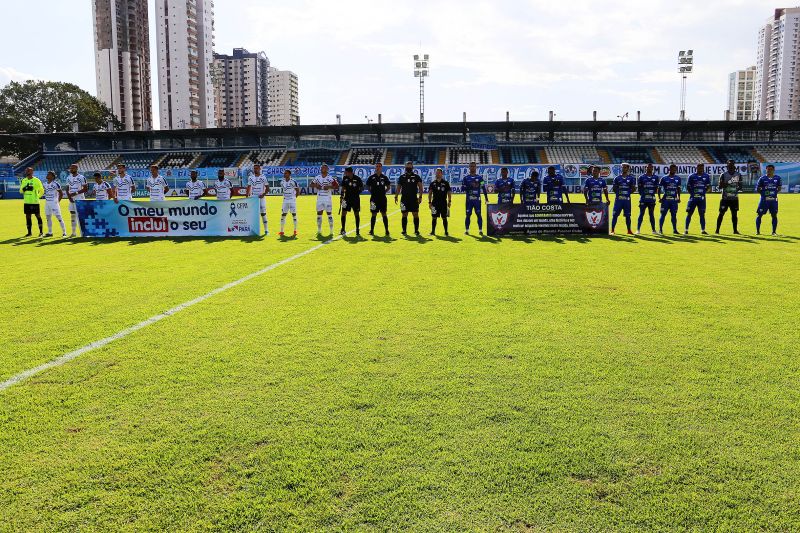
{"type": "Point", "coordinates": [722, 154]}
{"type": "Point", "coordinates": [366, 156]}
{"type": "Point", "coordinates": [463, 156]}
{"type": "Point", "coordinates": [56, 163]}
{"type": "Point", "coordinates": [262, 157]}
{"type": "Point", "coordinates": [778, 154]}
{"type": "Point", "coordinates": [178, 160]}
{"type": "Point", "coordinates": [314, 157]}
{"type": "Point", "coordinates": [97, 161]}
{"type": "Point", "coordinates": [572, 154]}
{"type": "Point", "coordinates": [416, 154]}
{"type": "Point", "coordinates": [518, 155]}
{"type": "Point", "coordinates": [630, 154]}
{"type": "Point", "coordinates": [220, 160]}
{"type": "Point", "coordinates": [6, 170]}
{"type": "Point", "coordinates": [682, 154]}
{"type": "Point", "coordinates": [137, 160]}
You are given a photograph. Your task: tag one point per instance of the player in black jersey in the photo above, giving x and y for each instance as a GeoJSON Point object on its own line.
{"type": "Point", "coordinates": [439, 197]}
{"type": "Point", "coordinates": [378, 185]}
{"type": "Point", "coordinates": [409, 189]}
{"type": "Point", "coordinates": [351, 198]}
{"type": "Point", "coordinates": [730, 184]}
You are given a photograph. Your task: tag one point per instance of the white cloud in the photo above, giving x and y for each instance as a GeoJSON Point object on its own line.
{"type": "Point", "coordinates": [9, 74]}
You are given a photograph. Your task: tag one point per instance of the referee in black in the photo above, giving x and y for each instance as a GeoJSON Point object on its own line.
{"type": "Point", "coordinates": [409, 188]}
{"type": "Point", "coordinates": [730, 183]}
{"type": "Point", "coordinates": [378, 185]}
{"type": "Point", "coordinates": [439, 198]}
{"type": "Point", "coordinates": [351, 199]}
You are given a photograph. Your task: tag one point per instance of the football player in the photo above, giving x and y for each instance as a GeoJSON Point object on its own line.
{"type": "Point", "coordinates": [504, 187]}
{"type": "Point", "coordinates": [76, 190]}
{"type": "Point", "coordinates": [595, 188]}
{"type": "Point", "coordinates": [555, 187]}
{"type": "Point", "coordinates": [291, 190]}
{"type": "Point", "coordinates": [350, 199]}
{"type": "Point", "coordinates": [156, 185]}
{"type": "Point", "coordinates": [102, 189]}
{"type": "Point", "coordinates": [124, 187]}
{"type": "Point", "coordinates": [669, 194]}
{"type": "Point", "coordinates": [624, 186]}
{"type": "Point", "coordinates": [378, 185]}
{"type": "Point", "coordinates": [52, 204]}
{"type": "Point", "coordinates": [258, 186]}
{"type": "Point", "coordinates": [768, 186]}
{"type": "Point", "coordinates": [410, 191]}
{"type": "Point", "coordinates": [223, 186]}
{"type": "Point", "coordinates": [697, 186]}
{"type": "Point", "coordinates": [439, 199]}
{"type": "Point", "coordinates": [730, 184]}
{"type": "Point", "coordinates": [324, 185]}
{"type": "Point", "coordinates": [529, 189]}
{"type": "Point", "coordinates": [648, 188]}
{"type": "Point", "coordinates": [473, 185]}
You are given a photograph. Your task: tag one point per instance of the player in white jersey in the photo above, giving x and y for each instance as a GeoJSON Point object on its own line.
{"type": "Point", "coordinates": [156, 185]}
{"type": "Point", "coordinates": [102, 189]}
{"type": "Point", "coordinates": [223, 186]}
{"type": "Point", "coordinates": [76, 189]}
{"type": "Point", "coordinates": [124, 187]}
{"type": "Point", "coordinates": [257, 185]}
{"type": "Point", "coordinates": [195, 188]}
{"type": "Point", "coordinates": [324, 185]}
{"type": "Point", "coordinates": [290, 192]}
{"type": "Point", "coordinates": [52, 204]}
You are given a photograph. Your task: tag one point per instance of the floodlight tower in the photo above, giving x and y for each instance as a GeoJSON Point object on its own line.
{"type": "Point", "coordinates": [421, 71]}
{"type": "Point", "coordinates": [685, 67]}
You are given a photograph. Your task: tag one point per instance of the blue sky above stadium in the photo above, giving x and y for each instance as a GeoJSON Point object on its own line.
{"type": "Point", "coordinates": [488, 57]}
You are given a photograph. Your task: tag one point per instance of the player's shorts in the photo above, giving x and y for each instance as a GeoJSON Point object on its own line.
{"type": "Point", "coordinates": [530, 201]}
{"type": "Point", "coordinates": [502, 200]}
{"type": "Point", "coordinates": [325, 203]}
{"type": "Point", "coordinates": [731, 203]}
{"type": "Point", "coordinates": [160, 198]}
{"type": "Point", "coordinates": [289, 206]}
{"type": "Point", "coordinates": [262, 204]}
{"type": "Point", "coordinates": [644, 202]}
{"type": "Point", "coordinates": [555, 201]}
{"type": "Point", "coordinates": [52, 208]}
{"type": "Point", "coordinates": [128, 197]}
{"type": "Point", "coordinates": [669, 206]}
{"type": "Point", "coordinates": [409, 205]}
{"type": "Point", "coordinates": [473, 205]}
{"type": "Point", "coordinates": [622, 206]}
{"type": "Point", "coordinates": [767, 206]}
{"type": "Point", "coordinates": [31, 209]}
{"type": "Point", "coordinates": [439, 209]}
{"type": "Point", "coordinates": [378, 204]}
{"type": "Point", "coordinates": [73, 205]}
{"type": "Point", "coordinates": [351, 204]}
{"type": "Point", "coordinates": [696, 203]}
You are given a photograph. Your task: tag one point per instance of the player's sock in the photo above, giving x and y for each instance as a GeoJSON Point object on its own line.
{"type": "Point", "coordinates": [283, 221]}
{"type": "Point", "coordinates": [294, 220]}
{"type": "Point", "coordinates": [385, 222]}
{"type": "Point", "coordinates": [661, 222]}
{"type": "Point", "coordinates": [61, 221]}
{"type": "Point", "coordinates": [466, 223]}
{"type": "Point", "coordinates": [652, 213]}
{"type": "Point", "coordinates": [74, 221]}
{"type": "Point", "coordinates": [344, 219]}
{"type": "Point", "coordinates": [319, 223]}
{"type": "Point", "coordinates": [264, 220]}
{"type": "Point", "coordinates": [372, 220]}
{"type": "Point", "coordinates": [675, 223]}
{"type": "Point", "coordinates": [39, 219]}
{"type": "Point", "coordinates": [702, 221]}
{"type": "Point", "coordinates": [641, 218]}
{"type": "Point", "coordinates": [614, 222]}
{"type": "Point", "coordinates": [330, 222]}
{"type": "Point", "coordinates": [358, 221]}
{"type": "Point", "coordinates": [433, 224]}
{"type": "Point", "coordinates": [444, 223]}
{"type": "Point", "coordinates": [774, 225]}
{"type": "Point", "coordinates": [628, 223]}
{"type": "Point", "coordinates": [480, 223]}
{"type": "Point", "coordinates": [735, 221]}
{"type": "Point", "coordinates": [405, 224]}
{"type": "Point", "coordinates": [49, 223]}
{"type": "Point", "coordinates": [688, 220]}
{"type": "Point", "coordinates": [719, 220]}
{"type": "Point", "coordinates": [29, 222]}
{"type": "Point", "coordinates": [758, 224]}
{"type": "Point", "coordinates": [416, 224]}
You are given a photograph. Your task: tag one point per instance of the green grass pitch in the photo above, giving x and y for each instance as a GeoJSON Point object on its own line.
{"type": "Point", "coordinates": [464, 384]}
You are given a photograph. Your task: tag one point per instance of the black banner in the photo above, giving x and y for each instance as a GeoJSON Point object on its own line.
{"type": "Point", "coordinates": [545, 219]}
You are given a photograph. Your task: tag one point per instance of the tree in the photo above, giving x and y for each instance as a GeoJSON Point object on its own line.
{"type": "Point", "coordinates": [48, 106]}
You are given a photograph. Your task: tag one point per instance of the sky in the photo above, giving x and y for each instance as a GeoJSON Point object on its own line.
{"type": "Point", "coordinates": [527, 57]}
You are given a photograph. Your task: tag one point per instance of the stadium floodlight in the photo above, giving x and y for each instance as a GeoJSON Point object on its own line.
{"type": "Point", "coordinates": [421, 71]}
{"type": "Point", "coordinates": [685, 67]}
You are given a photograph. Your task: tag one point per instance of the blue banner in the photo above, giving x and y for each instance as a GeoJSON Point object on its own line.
{"type": "Point", "coordinates": [483, 141]}
{"type": "Point", "coordinates": [180, 218]}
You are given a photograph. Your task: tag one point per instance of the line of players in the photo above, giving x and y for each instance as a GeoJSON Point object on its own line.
{"type": "Point", "coordinates": [666, 190]}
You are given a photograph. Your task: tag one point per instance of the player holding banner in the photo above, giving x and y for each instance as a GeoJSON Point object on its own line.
{"type": "Point", "coordinates": [124, 187]}
{"type": "Point", "coordinates": [624, 186]}
{"type": "Point", "coordinates": [698, 185]}
{"type": "Point", "coordinates": [439, 198]}
{"type": "Point", "coordinates": [156, 185]}
{"type": "Point", "coordinates": [669, 194]}
{"type": "Point", "coordinates": [530, 188]}
{"type": "Point", "coordinates": [52, 204]}
{"type": "Point", "coordinates": [730, 183]}
{"type": "Point", "coordinates": [768, 186]}
{"type": "Point", "coordinates": [648, 187]}
{"type": "Point", "coordinates": [223, 186]}
{"type": "Point", "coordinates": [195, 188]}
{"type": "Point", "coordinates": [324, 185]}
{"type": "Point", "coordinates": [102, 189]}
{"type": "Point", "coordinates": [258, 186]}
{"type": "Point", "coordinates": [76, 190]}
{"type": "Point", "coordinates": [555, 187]}
{"type": "Point", "coordinates": [595, 187]}
{"type": "Point", "coordinates": [291, 190]}
{"type": "Point", "coordinates": [473, 186]}
{"type": "Point", "coordinates": [504, 187]}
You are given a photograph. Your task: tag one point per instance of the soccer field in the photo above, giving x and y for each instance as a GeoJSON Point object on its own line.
{"type": "Point", "coordinates": [462, 384]}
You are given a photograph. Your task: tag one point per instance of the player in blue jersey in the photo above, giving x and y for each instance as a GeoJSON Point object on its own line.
{"type": "Point", "coordinates": [768, 186]}
{"type": "Point", "coordinates": [624, 186]}
{"type": "Point", "coordinates": [555, 187]}
{"type": "Point", "coordinates": [669, 194]}
{"type": "Point", "coordinates": [595, 187]}
{"type": "Point", "coordinates": [504, 187]}
{"type": "Point", "coordinates": [530, 188]}
{"type": "Point", "coordinates": [647, 186]}
{"type": "Point", "coordinates": [473, 185]}
{"type": "Point", "coordinates": [697, 186]}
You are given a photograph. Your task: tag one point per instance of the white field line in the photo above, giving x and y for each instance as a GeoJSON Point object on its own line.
{"type": "Point", "coordinates": [67, 357]}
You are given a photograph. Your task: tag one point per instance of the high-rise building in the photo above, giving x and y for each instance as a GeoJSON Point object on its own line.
{"type": "Point", "coordinates": [741, 94]}
{"type": "Point", "coordinates": [185, 56]}
{"type": "Point", "coordinates": [777, 88]}
{"type": "Point", "coordinates": [122, 60]}
{"type": "Point", "coordinates": [284, 100]}
{"type": "Point", "coordinates": [240, 88]}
